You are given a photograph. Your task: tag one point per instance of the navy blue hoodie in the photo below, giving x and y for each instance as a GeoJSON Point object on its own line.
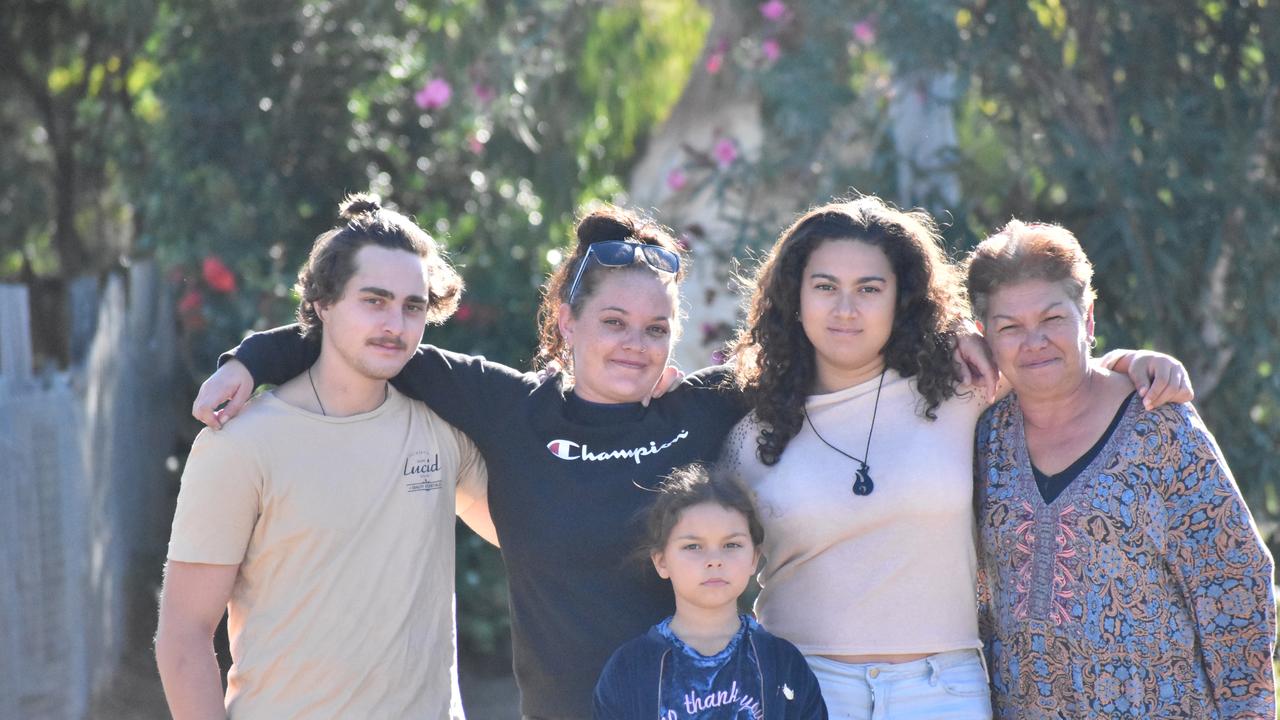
{"type": "Point", "coordinates": [757, 676]}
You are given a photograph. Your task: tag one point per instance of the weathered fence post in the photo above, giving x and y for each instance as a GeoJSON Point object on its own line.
{"type": "Point", "coordinates": [82, 478]}
{"type": "Point", "coordinates": [15, 335]}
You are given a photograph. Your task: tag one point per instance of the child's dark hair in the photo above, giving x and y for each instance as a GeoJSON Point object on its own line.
{"type": "Point", "coordinates": [693, 485]}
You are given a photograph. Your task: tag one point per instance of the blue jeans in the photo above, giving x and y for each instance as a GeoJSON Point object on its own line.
{"type": "Point", "coordinates": [946, 686]}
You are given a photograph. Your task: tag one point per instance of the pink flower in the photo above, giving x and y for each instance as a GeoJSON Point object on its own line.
{"type": "Point", "coordinates": [463, 314]}
{"type": "Point", "coordinates": [718, 357]}
{"type": "Point", "coordinates": [676, 179]}
{"type": "Point", "coordinates": [474, 144]}
{"type": "Point", "coordinates": [726, 151]}
{"type": "Point", "coordinates": [864, 31]}
{"type": "Point", "coordinates": [714, 62]}
{"type": "Point", "coordinates": [771, 49]}
{"type": "Point", "coordinates": [484, 93]}
{"type": "Point", "coordinates": [435, 94]}
{"type": "Point", "coordinates": [774, 10]}
{"type": "Point", "coordinates": [217, 275]}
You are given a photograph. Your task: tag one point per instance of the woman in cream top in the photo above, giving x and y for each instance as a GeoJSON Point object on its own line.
{"type": "Point", "coordinates": [859, 448]}
{"type": "Point", "coordinates": [889, 573]}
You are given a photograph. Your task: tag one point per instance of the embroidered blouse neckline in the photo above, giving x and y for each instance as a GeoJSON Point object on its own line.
{"type": "Point", "coordinates": [1027, 481]}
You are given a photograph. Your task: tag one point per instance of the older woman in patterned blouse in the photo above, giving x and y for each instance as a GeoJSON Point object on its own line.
{"type": "Point", "coordinates": [1123, 574]}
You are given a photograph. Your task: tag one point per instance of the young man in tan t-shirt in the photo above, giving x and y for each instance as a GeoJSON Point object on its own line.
{"type": "Point", "coordinates": [322, 519]}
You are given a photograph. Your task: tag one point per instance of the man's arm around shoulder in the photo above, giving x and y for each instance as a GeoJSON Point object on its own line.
{"type": "Point", "coordinates": [191, 605]}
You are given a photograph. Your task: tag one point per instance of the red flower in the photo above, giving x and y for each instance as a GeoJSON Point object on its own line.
{"type": "Point", "coordinates": [217, 275]}
{"type": "Point", "coordinates": [191, 311]}
{"type": "Point", "coordinates": [191, 302]}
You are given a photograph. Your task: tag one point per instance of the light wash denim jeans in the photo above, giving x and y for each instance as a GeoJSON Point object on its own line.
{"type": "Point", "coordinates": [947, 686]}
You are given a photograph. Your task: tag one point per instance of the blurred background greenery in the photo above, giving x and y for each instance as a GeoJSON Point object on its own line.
{"type": "Point", "coordinates": [217, 137]}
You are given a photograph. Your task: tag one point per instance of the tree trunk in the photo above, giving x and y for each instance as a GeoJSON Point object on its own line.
{"type": "Point", "coordinates": [72, 259]}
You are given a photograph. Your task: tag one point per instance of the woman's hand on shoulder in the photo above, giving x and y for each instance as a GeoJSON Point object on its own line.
{"type": "Point", "coordinates": [670, 377]}
{"type": "Point", "coordinates": [975, 364]}
{"type": "Point", "coordinates": [1160, 379]}
{"type": "Point", "coordinates": [223, 395]}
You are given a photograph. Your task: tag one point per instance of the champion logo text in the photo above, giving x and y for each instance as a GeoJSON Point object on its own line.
{"type": "Point", "coordinates": [570, 450]}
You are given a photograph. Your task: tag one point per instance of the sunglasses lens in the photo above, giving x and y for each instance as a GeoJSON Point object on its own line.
{"type": "Point", "coordinates": [614, 253]}
{"type": "Point", "coordinates": [661, 258]}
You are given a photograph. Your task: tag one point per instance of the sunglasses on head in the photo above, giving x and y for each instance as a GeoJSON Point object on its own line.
{"type": "Point", "coordinates": [620, 253]}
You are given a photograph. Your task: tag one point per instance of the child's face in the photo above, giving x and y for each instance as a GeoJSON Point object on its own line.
{"type": "Point", "coordinates": [709, 556]}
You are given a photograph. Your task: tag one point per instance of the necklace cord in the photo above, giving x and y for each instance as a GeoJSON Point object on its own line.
{"type": "Point", "coordinates": [317, 394]}
{"type": "Point", "coordinates": [866, 453]}
{"type": "Point", "coordinates": [386, 393]}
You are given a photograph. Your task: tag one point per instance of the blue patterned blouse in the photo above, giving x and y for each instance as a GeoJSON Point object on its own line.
{"type": "Point", "coordinates": [1142, 591]}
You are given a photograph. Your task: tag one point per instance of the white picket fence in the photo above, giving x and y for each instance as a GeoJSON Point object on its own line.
{"type": "Point", "coordinates": [83, 488]}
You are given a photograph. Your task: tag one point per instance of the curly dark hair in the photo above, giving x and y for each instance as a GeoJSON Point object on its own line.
{"type": "Point", "coordinates": [332, 261]}
{"type": "Point", "coordinates": [773, 358]}
{"type": "Point", "coordinates": [607, 222]}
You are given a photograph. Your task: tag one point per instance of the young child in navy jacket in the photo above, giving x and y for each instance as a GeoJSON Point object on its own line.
{"type": "Point", "coordinates": [706, 661]}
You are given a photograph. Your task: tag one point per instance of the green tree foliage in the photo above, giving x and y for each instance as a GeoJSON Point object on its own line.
{"type": "Point", "coordinates": [73, 83]}
{"type": "Point", "coordinates": [74, 93]}
{"type": "Point", "coordinates": [490, 122]}
{"type": "Point", "coordinates": [1150, 130]}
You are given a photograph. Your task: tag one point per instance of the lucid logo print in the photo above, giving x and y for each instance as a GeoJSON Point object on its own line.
{"type": "Point", "coordinates": [422, 471]}
{"type": "Point", "coordinates": [570, 450]}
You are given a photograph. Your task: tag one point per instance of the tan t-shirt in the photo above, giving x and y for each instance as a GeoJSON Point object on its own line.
{"type": "Point", "coordinates": [892, 572]}
{"type": "Point", "coordinates": [343, 528]}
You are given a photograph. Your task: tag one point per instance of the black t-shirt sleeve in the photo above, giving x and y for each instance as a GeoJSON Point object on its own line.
{"type": "Point", "coordinates": [715, 377]}
{"type": "Point", "coordinates": [715, 387]}
{"type": "Point", "coordinates": [276, 355]}
{"type": "Point", "coordinates": [466, 391]}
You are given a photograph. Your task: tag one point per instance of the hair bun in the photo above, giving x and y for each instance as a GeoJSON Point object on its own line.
{"type": "Point", "coordinates": [608, 223]}
{"type": "Point", "coordinates": [359, 204]}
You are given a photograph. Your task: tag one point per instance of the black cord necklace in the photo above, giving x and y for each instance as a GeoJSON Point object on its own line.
{"type": "Point", "coordinates": [317, 394]}
{"type": "Point", "coordinates": [386, 393]}
{"type": "Point", "coordinates": [862, 484]}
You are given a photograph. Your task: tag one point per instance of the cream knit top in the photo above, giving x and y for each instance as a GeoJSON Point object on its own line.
{"type": "Point", "coordinates": [892, 572]}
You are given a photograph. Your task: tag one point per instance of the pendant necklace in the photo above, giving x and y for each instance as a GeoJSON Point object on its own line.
{"type": "Point", "coordinates": [862, 484]}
